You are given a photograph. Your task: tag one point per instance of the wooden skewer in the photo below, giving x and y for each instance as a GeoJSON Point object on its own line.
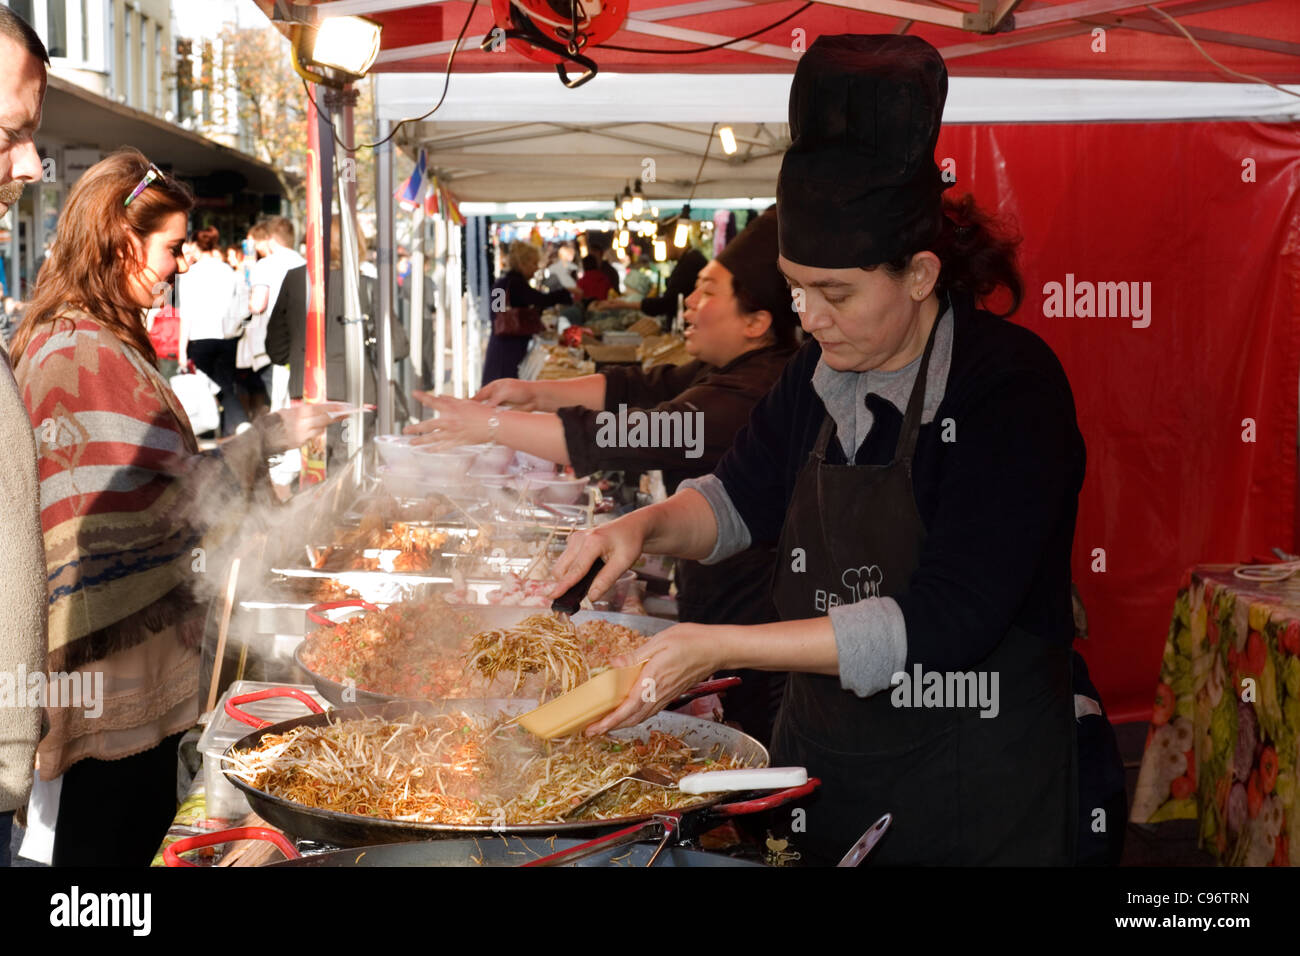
{"type": "Point", "coordinates": [231, 584]}
{"type": "Point", "coordinates": [546, 546]}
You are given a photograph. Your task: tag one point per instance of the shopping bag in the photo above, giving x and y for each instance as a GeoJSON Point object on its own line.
{"type": "Point", "coordinates": [198, 396]}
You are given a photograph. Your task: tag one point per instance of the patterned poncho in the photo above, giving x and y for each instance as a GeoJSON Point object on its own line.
{"type": "Point", "coordinates": [125, 497]}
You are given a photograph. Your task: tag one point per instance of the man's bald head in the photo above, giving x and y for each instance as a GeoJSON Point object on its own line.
{"type": "Point", "coordinates": [23, 59]}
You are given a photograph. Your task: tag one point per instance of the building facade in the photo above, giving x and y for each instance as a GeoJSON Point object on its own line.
{"type": "Point", "coordinates": [115, 80]}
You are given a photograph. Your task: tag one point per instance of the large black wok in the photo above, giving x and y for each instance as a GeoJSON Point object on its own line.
{"type": "Point", "coordinates": [346, 829]}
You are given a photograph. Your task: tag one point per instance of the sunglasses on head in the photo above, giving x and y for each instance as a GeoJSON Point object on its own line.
{"type": "Point", "coordinates": [153, 174]}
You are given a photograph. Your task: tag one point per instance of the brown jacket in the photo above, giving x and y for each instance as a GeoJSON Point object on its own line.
{"type": "Point", "coordinates": [724, 396]}
{"type": "Point", "coordinates": [735, 591]}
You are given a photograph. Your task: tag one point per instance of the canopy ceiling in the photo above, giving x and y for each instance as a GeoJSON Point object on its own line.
{"type": "Point", "coordinates": [1036, 38]}
{"type": "Point", "coordinates": [509, 131]}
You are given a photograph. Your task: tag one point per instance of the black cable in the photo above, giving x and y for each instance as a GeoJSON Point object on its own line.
{"type": "Point", "coordinates": [700, 172]}
{"type": "Point", "coordinates": [706, 49]}
{"type": "Point", "coordinates": [446, 85]}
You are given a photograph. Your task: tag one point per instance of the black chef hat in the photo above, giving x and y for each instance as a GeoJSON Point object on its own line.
{"type": "Point", "coordinates": [859, 185]}
{"type": "Point", "coordinates": [751, 260]}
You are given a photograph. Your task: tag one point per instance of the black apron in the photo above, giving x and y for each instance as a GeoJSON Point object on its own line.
{"type": "Point", "coordinates": [963, 789]}
{"type": "Point", "coordinates": [737, 591]}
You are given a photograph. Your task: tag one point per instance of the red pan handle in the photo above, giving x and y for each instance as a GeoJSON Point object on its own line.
{"type": "Point", "coordinates": [172, 852]}
{"type": "Point", "coordinates": [629, 834]}
{"type": "Point", "coordinates": [257, 723]}
{"type": "Point", "coordinates": [769, 801]}
{"type": "Point", "coordinates": [716, 686]}
{"type": "Point", "coordinates": [314, 615]}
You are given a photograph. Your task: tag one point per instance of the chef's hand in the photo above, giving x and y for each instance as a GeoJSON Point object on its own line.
{"type": "Point", "coordinates": [619, 543]}
{"type": "Point", "coordinates": [676, 659]}
{"type": "Point", "coordinates": [509, 391]}
{"type": "Point", "coordinates": [293, 427]}
{"type": "Point", "coordinates": [459, 422]}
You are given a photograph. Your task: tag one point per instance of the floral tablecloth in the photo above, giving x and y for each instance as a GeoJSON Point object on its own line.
{"type": "Point", "coordinates": [1225, 730]}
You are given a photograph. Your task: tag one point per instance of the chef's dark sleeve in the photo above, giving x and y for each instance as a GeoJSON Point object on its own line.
{"type": "Point", "coordinates": [758, 468]}
{"type": "Point", "coordinates": [722, 405]}
{"type": "Point", "coordinates": [1006, 489]}
{"type": "Point", "coordinates": [635, 387]}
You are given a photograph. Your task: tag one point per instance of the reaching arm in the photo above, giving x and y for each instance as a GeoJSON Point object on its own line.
{"type": "Point", "coordinates": [682, 526]}
{"type": "Point", "coordinates": [587, 391]}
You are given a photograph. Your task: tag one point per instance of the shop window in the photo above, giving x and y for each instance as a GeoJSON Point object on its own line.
{"type": "Point", "coordinates": [56, 41]}
{"type": "Point", "coordinates": [24, 9]}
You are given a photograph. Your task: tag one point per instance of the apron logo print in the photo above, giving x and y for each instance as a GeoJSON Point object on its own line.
{"type": "Point", "coordinates": [863, 582]}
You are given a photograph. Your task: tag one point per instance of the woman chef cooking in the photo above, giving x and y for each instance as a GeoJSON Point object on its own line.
{"type": "Point", "coordinates": [919, 464]}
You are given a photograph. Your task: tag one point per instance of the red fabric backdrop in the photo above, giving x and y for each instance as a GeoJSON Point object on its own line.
{"type": "Point", "coordinates": [1170, 482]}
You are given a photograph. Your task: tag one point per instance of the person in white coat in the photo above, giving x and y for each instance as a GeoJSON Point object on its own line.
{"type": "Point", "coordinates": [207, 298]}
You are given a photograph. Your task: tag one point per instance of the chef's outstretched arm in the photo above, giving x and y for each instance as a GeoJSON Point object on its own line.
{"type": "Point", "coordinates": [683, 655]}
{"type": "Point", "coordinates": [462, 421]}
{"type": "Point", "coordinates": [682, 526]}
{"type": "Point", "coordinates": [545, 396]}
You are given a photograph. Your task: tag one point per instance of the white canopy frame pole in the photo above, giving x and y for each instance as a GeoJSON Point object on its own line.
{"type": "Point", "coordinates": [386, 266]}
{"type": "Point", "coordinates": [456, 295]}
{"type": "Point", "coordinates": [416, 331]}
{"type": "Point", "coordinates": [354, 321]}
{"type": "Point", "coordinates": [443, 304]}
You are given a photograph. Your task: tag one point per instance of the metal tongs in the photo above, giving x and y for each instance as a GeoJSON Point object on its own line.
{"type": "Point", "coordinates": [867, 842]}
{"type": "Point", "coordinates": [571, 600]}
{"type": "Point", "coordinates": [678, 826]}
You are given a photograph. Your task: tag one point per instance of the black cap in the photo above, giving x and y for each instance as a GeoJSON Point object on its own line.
{"type": "Point", "coordinates": [751, 260]}
{"type": "Point", "coordinates": [859, 185]}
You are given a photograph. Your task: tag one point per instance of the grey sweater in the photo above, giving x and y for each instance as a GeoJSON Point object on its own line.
{"type": "Point", "coordinates": [23, 612]}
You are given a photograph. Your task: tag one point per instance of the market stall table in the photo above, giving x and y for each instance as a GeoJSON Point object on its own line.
{"type": "Point", "coordinates": [1226, 724]}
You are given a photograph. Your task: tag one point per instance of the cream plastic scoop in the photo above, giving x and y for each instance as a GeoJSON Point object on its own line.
{"type": "Point", "coordinates": [586, 703]}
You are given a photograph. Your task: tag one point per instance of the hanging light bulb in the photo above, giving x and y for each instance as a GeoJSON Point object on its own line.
{"type": "Point", "coordinates": [683, 231]}
{"type": "Point", "coordinates": [638, 200]}
{"type": "Point", "coordinates": [626, 203]}
{"type": "Point", "coordinates": [728, 137]}
{"type": "Point", "coordinates": [623, 238]}
{"type": "Point", "coordinates": [661, 251]}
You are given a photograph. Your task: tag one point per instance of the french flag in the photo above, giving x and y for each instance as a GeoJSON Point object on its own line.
{"type": "Point", "coordinates": [409, 194]}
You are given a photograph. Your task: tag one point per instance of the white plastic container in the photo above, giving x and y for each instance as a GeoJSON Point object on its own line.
{"type": "Point", "coordinates": [394, 450]}
{"type": "Point", "coordinates": [493, 458]}
{"type": "Point", "coordinates": [554, 489]}
{"type": "Point", "coordinates": [225, 801]}
{"type": "Point", "coordinates": [447, 465]}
